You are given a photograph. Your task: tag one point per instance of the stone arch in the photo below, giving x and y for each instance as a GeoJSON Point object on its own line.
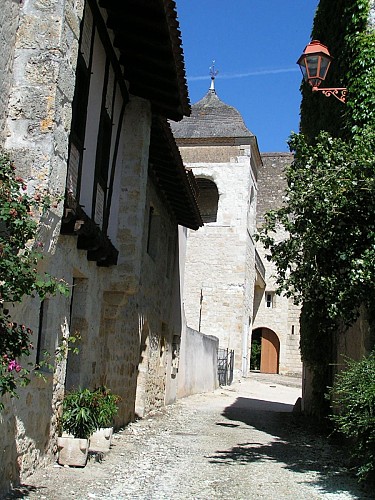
{"type": "Point", "coordinates": [208, 199]}
{"type": "Point", "coordinates": [270, 349]}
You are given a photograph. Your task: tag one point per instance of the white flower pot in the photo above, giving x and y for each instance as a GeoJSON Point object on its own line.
{"type": "Point", "coordinates": [101, 439]}
{"type": "Point", "coordinates": [73, 451]}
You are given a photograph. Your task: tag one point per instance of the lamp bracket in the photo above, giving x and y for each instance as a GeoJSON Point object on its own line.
{"type": "Point", "coordinates": [338, 92]}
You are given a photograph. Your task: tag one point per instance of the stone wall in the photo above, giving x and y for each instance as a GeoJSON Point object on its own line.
{"type": "Point", "coordinates": [212, 154]}
{"type": "Point", "coordinates": [283, 317]}
{"type": "Point", "coordinates": [220, 270]}
{"type": "Point", "coordinates": [128, 316]}
{"type": "Point", "coordinates": [198, 364]}
{"type": "Point", "coordinates": [271, 182]}
{"type": "Point", "coordinates": [42, 41]}
{"type": "Point", "coordinates": [41, 94]}
{"type": "Point", "coordinates": [9, 13]}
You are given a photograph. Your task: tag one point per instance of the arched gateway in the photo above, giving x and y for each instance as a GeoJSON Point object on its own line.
{"type": "Point", "coordinates": [269, 354]}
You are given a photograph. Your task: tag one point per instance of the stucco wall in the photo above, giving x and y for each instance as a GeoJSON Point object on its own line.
{"type": "Point", "coordinates": [198, 363]}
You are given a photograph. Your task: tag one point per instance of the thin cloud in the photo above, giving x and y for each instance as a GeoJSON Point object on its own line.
{"type": "Point", "coordinates": [228, 76]}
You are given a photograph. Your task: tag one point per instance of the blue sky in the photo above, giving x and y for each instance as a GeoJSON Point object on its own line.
{"type": "Point", "coordinates": [255, 45]}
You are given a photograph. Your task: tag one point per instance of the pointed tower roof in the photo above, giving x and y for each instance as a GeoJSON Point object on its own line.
{"type": "Point", "coordinates": [211, 118]}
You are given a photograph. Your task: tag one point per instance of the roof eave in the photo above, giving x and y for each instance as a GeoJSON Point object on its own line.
{"type": "Point", "coordinates": [148, 38]}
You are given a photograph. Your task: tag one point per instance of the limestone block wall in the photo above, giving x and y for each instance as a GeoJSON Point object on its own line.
{"type": "Point", "coordinates": [271, 182]}
{"type": "Point", "coordinates": [39, 40]}
{"type": "Point", "coordinates": [132, 201]}
{"type": "Point", "coordinates": [198, 363]}
{"type": "Point", "coordinates": [283, 316]}
{"type": "Point", "coordinates": [141, 325]}
{"type": "Point", "coordinates": [128, 317]}
{"type": "Point", "coordinates": [159, 295]}
{"type": "Point", "coordinates": [8, 26]}
{"type": "Point", "coordinates": [29, 423]}
{"type": "Point", "coordinates": [219, 275]}
{"type": "Point", "coordinates": [41, 93]}
{"type": "Point", "coordinates": [110, 309]}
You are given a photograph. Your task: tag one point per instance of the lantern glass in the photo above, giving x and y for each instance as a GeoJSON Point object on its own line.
{"type": "Point", "coordinates": [314, 63]}
{"type": "Point", "coordinates": [324, 66]}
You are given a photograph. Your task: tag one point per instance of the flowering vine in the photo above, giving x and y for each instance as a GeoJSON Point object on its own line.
{"type": "Point", "coordinates": [20, 253]}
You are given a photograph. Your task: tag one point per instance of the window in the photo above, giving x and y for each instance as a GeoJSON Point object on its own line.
{"type": "Point", "coordinates": [103, 151]}
{"type": "Point", "coordinates": [80, 105]}
{"type": "Point", "coordinates": [270, 299]}
{"type": "Point", "coordinates": [103, 147]}
{"type": "Point", "coordinates": [208, 199]}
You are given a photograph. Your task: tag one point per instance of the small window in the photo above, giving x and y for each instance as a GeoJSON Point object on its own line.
{"type": "Point", "coordinates": [270, 299]}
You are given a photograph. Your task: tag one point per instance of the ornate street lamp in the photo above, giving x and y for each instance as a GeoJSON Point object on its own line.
{"type": "Point", "coordinates": [314, 63]}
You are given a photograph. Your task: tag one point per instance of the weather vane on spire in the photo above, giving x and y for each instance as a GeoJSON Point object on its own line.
{"type": "Point", "coordinates": [213, 74]}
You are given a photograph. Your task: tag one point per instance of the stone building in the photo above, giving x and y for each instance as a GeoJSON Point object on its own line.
{"type": "Point", "coordinates": [276, 318]}
{"type": "Point", "coordinates": [229, 291]}
{"type": "Point", "coordinates": [220, 264]}
{"type": "Point", "coordinates": [86, 91]}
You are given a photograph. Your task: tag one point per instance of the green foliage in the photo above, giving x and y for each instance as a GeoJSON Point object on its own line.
{"type": "Point", "coordinates": [14, 343]}
{"type": "Point", "coordinates": [84, 411]}
{"type": "Point", "coordinates": [80, 416]}
{"type": "Point", "coordinates": [353, 397]}
{"type": "Point", "coordinates": [19, 248]}
{"type": "Point", "coordinates": [106, 404]}
{"type": "Point", "coordinates": [326, 264]}
{"type": "Point", "coordinates": [327, 260]}
{"type": "Point", "coordinates": [256, 349]}
{"type": "Point", "coordinates": [328, 256]}
{"type": "Point", "coordinates": [19, 257]}
{"type": "Point", "coordinates": [336, 187]}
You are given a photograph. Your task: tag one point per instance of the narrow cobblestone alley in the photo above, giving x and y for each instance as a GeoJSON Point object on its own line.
{"type": "Point", "coordinates": [240, 442]}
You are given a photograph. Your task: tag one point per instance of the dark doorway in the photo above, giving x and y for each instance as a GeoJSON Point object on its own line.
{"type": "Point", "coordinates": [265, 351]}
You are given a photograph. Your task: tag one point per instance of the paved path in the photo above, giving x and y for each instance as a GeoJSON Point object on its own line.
{"type": "Point", "coordinates": [238, 443]}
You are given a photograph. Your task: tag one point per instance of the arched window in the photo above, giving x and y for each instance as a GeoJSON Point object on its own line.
{"type": "Point", "coordinates": [208, 199]}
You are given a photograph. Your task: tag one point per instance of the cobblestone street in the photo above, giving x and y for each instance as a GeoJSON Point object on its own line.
{"type": "Point", "coordinates": [240, 442]}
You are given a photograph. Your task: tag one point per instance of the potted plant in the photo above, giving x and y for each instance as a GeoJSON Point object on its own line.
{"type": "Point", "coordinates": [78, 421]}
{"type": "Point", "coordinates": [106, 408]}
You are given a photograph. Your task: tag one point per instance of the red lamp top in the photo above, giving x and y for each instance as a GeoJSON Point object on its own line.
{"type": "Point", "coordinates": [314, 63]}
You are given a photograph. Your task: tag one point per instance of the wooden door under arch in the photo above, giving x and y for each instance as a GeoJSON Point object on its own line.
{"type": "Point", "coordinates": [269, 361]}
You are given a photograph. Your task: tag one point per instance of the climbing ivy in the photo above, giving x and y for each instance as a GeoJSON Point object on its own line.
{"type": "Point", "coordinates": [326, 263]}
{"type": "Point", "coordinates": [342, 25]}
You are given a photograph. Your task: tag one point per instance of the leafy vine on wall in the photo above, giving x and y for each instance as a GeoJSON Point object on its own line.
{"type": "Point", "coordinates": [20, 252]}
{"type": "Point", "coordinates": [326, 264]}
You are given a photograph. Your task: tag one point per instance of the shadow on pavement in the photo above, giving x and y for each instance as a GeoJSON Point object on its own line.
{"type": "Point", "coordinates": [290, 442]}
{"type": "Point", "coordinates": [22, 491]}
